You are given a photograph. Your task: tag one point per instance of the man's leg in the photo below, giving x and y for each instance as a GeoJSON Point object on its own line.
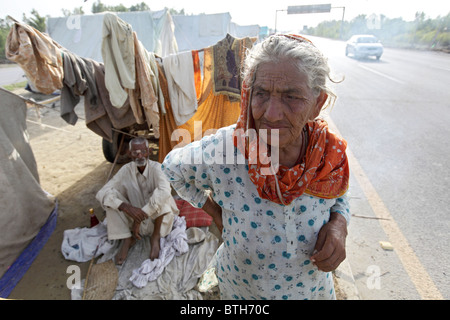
{"type": "Point", "coordinates": [121, 256]}
{"type": "Point", "coordinates": [118, 224]}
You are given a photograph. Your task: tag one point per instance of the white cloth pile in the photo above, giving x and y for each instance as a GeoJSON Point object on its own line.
{"type": "Point", "coordinates": [83, 244]}
{"type": "Point", "coordinates": [185, 255]}
{"type": "Point", "coordinates": [175, 244]}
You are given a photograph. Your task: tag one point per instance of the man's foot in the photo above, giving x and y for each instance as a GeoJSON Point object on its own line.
{"type": "Point", "coordinates": [121, 256]}
{"type": "Point", "coordinates": [155, 247]}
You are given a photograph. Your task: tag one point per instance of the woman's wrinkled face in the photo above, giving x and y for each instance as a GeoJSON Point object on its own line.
{"type": "Point", "coordinates": [282, 100]}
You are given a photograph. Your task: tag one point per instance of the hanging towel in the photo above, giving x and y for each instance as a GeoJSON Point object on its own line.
{"type": "Point", "coordinates": [118, 58]}
{"type": "Point", "coordinates": [179, 70]}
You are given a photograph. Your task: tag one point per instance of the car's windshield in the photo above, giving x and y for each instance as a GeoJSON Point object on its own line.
{"type": "Point", "coordinates": [367, 40]}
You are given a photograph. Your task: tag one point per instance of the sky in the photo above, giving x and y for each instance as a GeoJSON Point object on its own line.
{"type": "Point", "coordinates": [247, 12]}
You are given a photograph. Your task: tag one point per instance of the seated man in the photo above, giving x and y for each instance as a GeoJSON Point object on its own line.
{"type": "Point", "coordinates": [138, 202]}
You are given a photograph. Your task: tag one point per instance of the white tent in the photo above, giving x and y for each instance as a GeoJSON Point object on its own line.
{"type": "Point", "coordinates": [196, 32]}
{"type": "Point", "coordinates": [82, 34]}
{"type": "Point", "coordinates": [27, 212]}
{"type": "Point", "coordinates": [158, 31]}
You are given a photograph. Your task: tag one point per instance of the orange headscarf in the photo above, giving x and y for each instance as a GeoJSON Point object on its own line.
{"type": "Point", "coordinates": [324, 173]}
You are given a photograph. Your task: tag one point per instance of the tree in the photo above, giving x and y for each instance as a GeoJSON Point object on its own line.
{"type": "Point", "coordinates": [98, 7]}
{"type": "Point", "coordinates": [140, 7]}
{"type": "Point", "coordinates": [37, 22]}
{"type": "Point", "coordinates": [4, 30]}
{"type": "Point", "coordinates": [75, 11]}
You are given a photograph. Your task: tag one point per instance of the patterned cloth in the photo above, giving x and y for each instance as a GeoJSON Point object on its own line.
{"type": "Point", "coordinates": [267, 246]}
{"type": "Point", "coordinates": [228, 55]}
{"type": "Point", "coordinates": [38, 55]}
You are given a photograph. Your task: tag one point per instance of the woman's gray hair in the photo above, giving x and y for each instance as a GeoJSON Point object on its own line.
{"type": "Point", "coordinates": [138, 140]}
{"type": "Point", "coordinates": [304, 54]}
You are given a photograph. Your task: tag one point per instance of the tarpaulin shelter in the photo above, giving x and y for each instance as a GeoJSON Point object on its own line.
{"type": "Point", "coordinates": [82, 34]}
{"type": "Point", "coordinates": [194, 32]}
{"type": "Point", "coordinates": [27, 212]}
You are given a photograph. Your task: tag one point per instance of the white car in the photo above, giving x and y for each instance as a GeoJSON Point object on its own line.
{"type": "Point", "coordinates": [363, 46]}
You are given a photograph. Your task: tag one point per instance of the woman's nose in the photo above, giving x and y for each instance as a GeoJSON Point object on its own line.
{"type": "Point", "coordinates": [274, 111]}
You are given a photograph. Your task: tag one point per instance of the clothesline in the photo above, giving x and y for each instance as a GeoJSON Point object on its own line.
{"type": "Point", "coordinates": [40, 104]}
{"type": "Point", "coordinates": [159, 87]}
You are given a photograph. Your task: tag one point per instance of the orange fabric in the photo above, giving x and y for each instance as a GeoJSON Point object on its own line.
{"type": "Point", "coordinates": [197, 73]}
{"type": "Point", "coordinates": [213, 111]}
{"type": "Point", "coordinates": [324, 173]}
{"type": "Point", "coordinates": [166, 121]}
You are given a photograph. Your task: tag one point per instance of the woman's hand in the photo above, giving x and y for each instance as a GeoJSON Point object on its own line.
{"type": "Point", "coordinates": [215, 211]}
{"type": "Point", "coordinates": [329, 250]}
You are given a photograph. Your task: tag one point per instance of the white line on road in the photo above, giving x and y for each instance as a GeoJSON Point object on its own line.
{"type": "Point", "coordinates": [416, 271]}
{"type": "Point", "coordinates": [381, 74]}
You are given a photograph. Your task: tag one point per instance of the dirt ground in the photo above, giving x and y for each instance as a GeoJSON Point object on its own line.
{"type": "Point", "coordinates": [72, 168]}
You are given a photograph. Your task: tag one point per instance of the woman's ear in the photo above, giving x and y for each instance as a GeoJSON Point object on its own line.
{"type": "Point", "coordinates": [320, 101]}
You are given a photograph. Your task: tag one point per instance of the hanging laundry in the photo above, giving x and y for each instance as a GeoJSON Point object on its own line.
{"type": "Point", "coordinates": [214, 111]}
{"type": "Point", "coordinates": [167, 121]}
{"type": "Point", "coordinates": [86, 77]}
{"type": "Point", "coordinates": [228, 55]}
{"type": "Point", "coordinates": [79, 80]}
{"type": "Point", "coordinates": [118, 57]}
{"type": "Point", "coordinates": [145, 97]}
{"type": "Point", "coordinates": [179, 70]}
{"type": "Point", "coordinates": [101, 122]}
{"type": "Point", "coordinates": [38, 55]}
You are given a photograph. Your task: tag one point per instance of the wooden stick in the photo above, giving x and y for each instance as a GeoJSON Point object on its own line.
{"type": "Point", "coordinates": [116, 158]}
{"type": "Point", "coordinates": [89, 271]}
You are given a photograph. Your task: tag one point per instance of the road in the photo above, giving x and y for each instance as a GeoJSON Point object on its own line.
{"type": "Point", "coordinates": [395, 115]}
{"type": "Point", "coordinates": [11, 73]}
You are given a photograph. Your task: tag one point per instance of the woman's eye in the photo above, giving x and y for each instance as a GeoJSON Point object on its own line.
{"type": "Point", "coordinates": [294, 98]}
{"type": "Point", "coordinates": [260, 94]}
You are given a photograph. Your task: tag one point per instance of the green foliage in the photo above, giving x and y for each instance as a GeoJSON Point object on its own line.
{"type": "Point", "coordinates": [4, 31]}
{"type": "Point", "coordinates": [423, 32]}
{"type": "Point", "coordinates": [100, 7]}
{"type": "Point", "coordinates": [75, 11]}
{"type": "Point", "coordinates": [37, 21]}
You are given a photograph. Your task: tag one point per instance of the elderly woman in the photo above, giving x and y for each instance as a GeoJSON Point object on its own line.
{"type": "Point", "coordinates": [277, 194]}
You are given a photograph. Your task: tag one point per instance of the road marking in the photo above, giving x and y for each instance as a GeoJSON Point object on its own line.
{"type": "Point", "coordinates": [381, 74]}
{"type": "Point", "coordinates": [411, 263]}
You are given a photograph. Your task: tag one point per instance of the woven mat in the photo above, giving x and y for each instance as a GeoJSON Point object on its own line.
{"type": "Point", "coordinates": [102, 281]}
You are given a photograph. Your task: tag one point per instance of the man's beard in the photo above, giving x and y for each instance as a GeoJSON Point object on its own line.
{"type": "Point", "coordinates": [140, 162]}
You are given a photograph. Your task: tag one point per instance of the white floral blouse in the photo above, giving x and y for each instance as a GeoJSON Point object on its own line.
{"type": "Point", "coordinates": [267, 246]}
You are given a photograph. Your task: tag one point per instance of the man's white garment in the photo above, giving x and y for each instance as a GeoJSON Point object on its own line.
{"type": "Point", "coordinates": [149, 191]}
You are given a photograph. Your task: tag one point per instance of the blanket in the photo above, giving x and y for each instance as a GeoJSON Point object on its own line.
{"type": "Point", "coordinates": [185, 255]}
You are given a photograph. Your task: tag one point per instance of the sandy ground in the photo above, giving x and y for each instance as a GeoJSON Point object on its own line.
{"type": "Point", "coordinates": [71, 167]}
